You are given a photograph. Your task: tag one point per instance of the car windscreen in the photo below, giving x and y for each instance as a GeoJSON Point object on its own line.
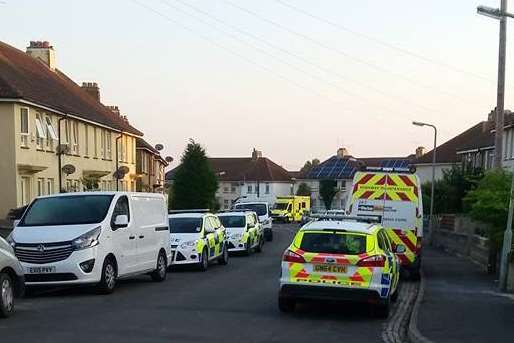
{"type": "Point", "coordinates": [185, 225]}
{"type": "Point", "coordinates": [280, 206]}
{"type": "Point", "coordinates": [260, 209]}
{"type": "Point", "coordinates": [233, 221]}
{"type": "Point", "coordinates": [333, 243]}
{"type": "Point", "coordinates": [67, 210]}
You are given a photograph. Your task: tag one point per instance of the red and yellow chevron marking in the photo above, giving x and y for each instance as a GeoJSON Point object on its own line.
{"type": "Point", "coordinates": [409, 240]}
{"type": "Point", "coordinates": [383, 186]}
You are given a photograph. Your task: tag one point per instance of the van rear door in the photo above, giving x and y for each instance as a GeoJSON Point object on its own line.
{"type": "Point", "coordinates": [124, 239]}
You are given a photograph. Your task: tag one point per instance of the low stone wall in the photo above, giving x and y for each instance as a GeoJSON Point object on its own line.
{"type": "Point", "coordinates": [5, 228]}
{"type": "Point", "coordinates": [457, 235]}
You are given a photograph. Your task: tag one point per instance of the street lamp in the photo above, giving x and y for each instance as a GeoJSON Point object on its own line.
{"type": "Point", "coordinates": [417, 123]}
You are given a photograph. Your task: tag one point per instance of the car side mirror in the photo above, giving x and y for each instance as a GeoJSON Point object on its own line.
{"type": "Point", "coordinates": [121, 221]}
{"type": "Point", "coordinates": [400, 249]}
{"type": "Point", "coordinates": [16, 222]}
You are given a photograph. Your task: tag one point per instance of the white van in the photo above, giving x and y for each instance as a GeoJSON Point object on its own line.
{"type": "Point", "coordinates": [93, 238]}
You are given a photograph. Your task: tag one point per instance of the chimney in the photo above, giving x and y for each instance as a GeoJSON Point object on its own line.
{"type": "Point", "coordinates": [114, 109]}
{"type": "Point", "coordinates": [342, 152]}
{"type": "Point", "coordinates": [256, 154]}
{"type": "Point", "coordinates": [420, 151]}
{"type": "Point", "coordinates": [43, 52]}
{"type": "Point", "coordinates": [92, 89]}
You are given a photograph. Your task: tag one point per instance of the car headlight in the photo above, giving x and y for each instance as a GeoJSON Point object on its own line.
{"type": "Point", "coordinates": [87, 240]}
{"type": "Point", "coordinates": [11, 241]}
{"type": "Point", "coordinates": [236, 236]}
{"type": "Point", "coordinates": [188, 244]}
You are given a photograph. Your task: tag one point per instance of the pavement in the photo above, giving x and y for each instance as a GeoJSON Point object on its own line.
{"type": "Point", "coordinates": [233, 303]}
{"type": "Point", "coordinates": [461, 302]}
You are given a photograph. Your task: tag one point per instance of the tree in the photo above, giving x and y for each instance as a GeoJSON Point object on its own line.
{"type": "Point", "coordinates": [327, 191]}
{"type": "Point", "coordinates": [195, 183]}
{"type": "Point", "coordinates": [489, 203]}
{"type": "Point", "coordinates": [309, 165]}
{"type": "Point", "coordinates": [303, 189]}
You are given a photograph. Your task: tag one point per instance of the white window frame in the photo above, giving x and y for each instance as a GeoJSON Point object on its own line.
{"type": "Point", "coordinates": [103, 148]}
{"type": "Point", "coordinates": [75, 137]}
{"type": "Point", "coordinates": [40, 186]}
{"type": "Point", "coordinates": [49, 184]}
{"type": "Point", "coordinates": [40, 131]}
{"type": "Point", "coordinates": [108, 145]}
{"type": "Point", "coordinates": [95, 142]}
{"type": "Point", "coordinates": [86, 140]}
{"type": "Point", "coordinates": [24, 132]}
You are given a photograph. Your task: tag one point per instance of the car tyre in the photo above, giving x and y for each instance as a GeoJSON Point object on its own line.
{"type": "Point", "coordinates": [394, 296]}
{"type": "Point", "coordinates": [223, 259]}
{"type": "Point", "coordinates": [203, 265]}
{"type": "Point", "coordinates": [261, 244]}
{"type": "Point", "coordinates": [286, 305]}
{"type": "Point", "coordinates": [161, 270]}
{"type": "Point", "coordinates": [6, 295]}
{"type": "Point", "coordinates": [109, 276]}
{"type": "Point", "coordinates": [382, 310]}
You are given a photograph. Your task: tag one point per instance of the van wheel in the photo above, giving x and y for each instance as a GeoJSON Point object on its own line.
{"type": "Point", "coordinates": [159, 274]}
{"type": "Point", "coordinates": [6, 296]}
{"type": "Point", "coordinates": [109, 275]}
{"type": "Point", "coordinates": [223, 259]}
{"type": "Point", "coordinates": [261, 243]}
{"type": "Point", "coordinates": [204, 262]}
{"type": "Point", "coordinates": [394, 296]}
{"type": "Point", "coordinates": [286, 305]}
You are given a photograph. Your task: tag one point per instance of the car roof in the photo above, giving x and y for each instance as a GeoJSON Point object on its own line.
{"type": "Point", "coordinates": [346, 225]}
{"type": "Point", "coordinates": [70, 194]}
{"type": "Point", "coordinates": [234, 213]}
{"type": "Point", "coordinates": [251, 202]}
{"type": "Point", "coordinates": [188, 215]}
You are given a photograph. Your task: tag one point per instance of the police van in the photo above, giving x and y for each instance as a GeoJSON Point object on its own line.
{"type": "Point", "coordinates": [393, 194]}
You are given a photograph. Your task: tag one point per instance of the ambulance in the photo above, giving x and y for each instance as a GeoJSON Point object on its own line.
{"type": "Point", "coordinates": [289, 209]}
{"type": "Point", "coordinates": [394, 194]}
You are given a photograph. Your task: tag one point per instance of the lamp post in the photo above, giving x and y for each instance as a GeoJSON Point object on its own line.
{"type": "Point", "coordinates": [501, 14]}
{"type": "Point", "coordinates": [434, 151]}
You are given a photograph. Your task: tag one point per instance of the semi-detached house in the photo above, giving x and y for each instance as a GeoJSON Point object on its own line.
{"type": "Point", "coordinates": [56, 135]}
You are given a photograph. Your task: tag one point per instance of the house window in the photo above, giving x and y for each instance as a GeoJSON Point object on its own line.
{"type": "Point", "coordinates": [103, 141]}
{"type": "Point", "coordinates": [86, 140]}
{"type": "Point", "coordinates": [67, 132]}
{"type": "Point", "coordinates": [40, 131]}
{"type": "Point", "coordinates": [108, 145]}
{"type": "Point", "coordinates": [40, 186]}
{"type": "Point", "coordinates": [75, 146]}
{"type": "Point", "coordinates": [233, 188]}
{"type": "Point", "coordinates": [49, 186]}
{"type": "Point", "coordinates": [51, 135]}
{"type": "Point", "coordinates": [225, 189]}
{"type": "Point", "coordinates": [226, 203]}
{"type": "Point", "coordinates": [25, 192]}
{"type": "Point", "coordinates": [249, 190]}
{"type": "Point", "coordinates": [95, 141]}
{"type": "Point", "coordinates": [24, 127]}
{"type": "Point", "coordinates": [267, 188]}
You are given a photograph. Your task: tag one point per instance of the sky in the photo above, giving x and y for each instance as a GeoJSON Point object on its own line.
{"type": "Point", "coordinates": [295, 79]}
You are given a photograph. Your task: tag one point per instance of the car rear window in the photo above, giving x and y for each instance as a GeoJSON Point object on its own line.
{"type": "Point", "coordinates": [233, 221]}
{"type": "Point", "coordinates": [333, 243]}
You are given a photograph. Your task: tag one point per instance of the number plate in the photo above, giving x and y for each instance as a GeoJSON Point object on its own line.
{"type": "Point", "coordinates": [330, 268]}
{"type": "Point", "coordinates": [41, 270]}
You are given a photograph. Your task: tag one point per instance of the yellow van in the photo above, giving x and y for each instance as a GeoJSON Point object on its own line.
{"type": "Point", "coordinates": [290, 208]}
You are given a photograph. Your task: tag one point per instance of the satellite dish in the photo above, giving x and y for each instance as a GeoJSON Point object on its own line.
{"type": "Point", "coordinates": [159, 147]}
{"type": "Point", "coordinates": [168, 159]}
{"type": "Point", "coordinates": [68, 169]}
{"type": "Point", "coordinates": [120, 173]}
{"type": "Point", "coordinates": [124, 169]}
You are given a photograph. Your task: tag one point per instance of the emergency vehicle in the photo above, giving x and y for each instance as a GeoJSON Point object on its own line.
{"type": "Point", "coordinates": [244, 232]}
{"type": "Point", "coordinates": [197, 238]}
{"type": "Point", "coordinates": [290, 208]}
{"type": "Point", "coordinates": [340, 258]}
{"type": "Point", "coordinates": [394, 194]}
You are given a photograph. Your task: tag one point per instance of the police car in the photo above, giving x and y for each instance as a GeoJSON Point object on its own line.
{"type": "Point", "coordinates": [197, 238]}
{"type": "Point", "coordinates": [340, 258]}
{"type": "Point", "coordinates": [244, 232]}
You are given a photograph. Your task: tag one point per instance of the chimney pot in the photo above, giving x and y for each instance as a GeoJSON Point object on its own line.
{"type": "Point", "coordinates": [342, 152]}
{"type": "Point", "coordinates": [92, 89]}
{"type": "Point", "coordinates": [256, 154]}
{"type": "Point", "coordinates": [420, 151]}
{"type": "Point", "coordinates": [43, 52]}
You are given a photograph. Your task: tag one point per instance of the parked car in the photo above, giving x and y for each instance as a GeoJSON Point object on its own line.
{"type": "Point", "coordinates": [197, 238]}
{"type": "Point", "coordinates": [244, 232]}
{"type": "Point", "coordinates": [93, 238]}
{"type": "Point", "coordinates": [11, 279]}
{"type": "Point", "coordinates": [263, 211]}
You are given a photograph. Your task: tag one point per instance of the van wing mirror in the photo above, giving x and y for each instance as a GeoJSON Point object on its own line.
{"type": "Point", "coordinates": [121, 221]}
{"type": "Point", "coordinates": [16, 222]}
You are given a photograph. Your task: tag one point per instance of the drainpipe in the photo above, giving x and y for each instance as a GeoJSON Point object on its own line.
{"type": "Point", "coordinates": [117, 161]}
{"type": "Point", "coordinates": [59, 152]}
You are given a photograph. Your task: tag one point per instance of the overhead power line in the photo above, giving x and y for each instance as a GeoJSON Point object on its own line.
{"type": "Point", "coordinates": [343, 53]}
{"type": "Point", "coordinates": [385, 44]}
{"type": "Point", "coordinates": [242, 57]}
{"type": "Point", "coordinates": [403, 100]}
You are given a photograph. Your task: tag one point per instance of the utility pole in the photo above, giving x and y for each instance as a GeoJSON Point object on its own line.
{"type": "Point", "coordinates": [500, 98]}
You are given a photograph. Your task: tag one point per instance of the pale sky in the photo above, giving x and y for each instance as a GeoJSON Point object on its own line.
{"type": "Point", "coordinates": [277, 80]}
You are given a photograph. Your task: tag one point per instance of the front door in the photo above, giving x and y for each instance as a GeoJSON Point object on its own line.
{"type": "Point", "coordinates": [124, 239]}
